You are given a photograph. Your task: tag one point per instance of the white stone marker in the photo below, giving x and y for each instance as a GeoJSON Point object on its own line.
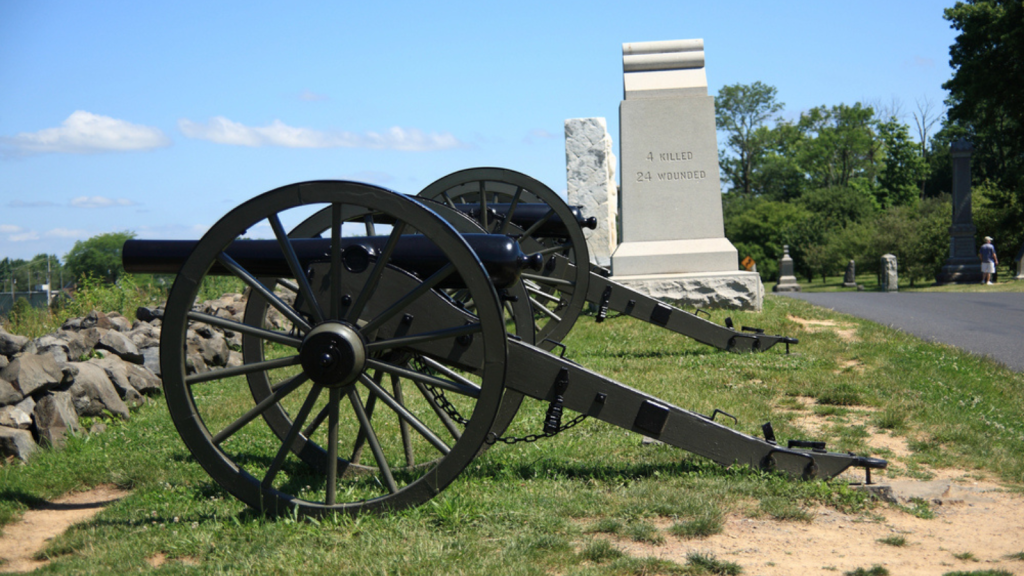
{"type": "Point", "coordinates": [590, 175]}
{"type": "Point", "coordinates": [890, 275]}
{"type": "Point", "coordinates": [673, 237]}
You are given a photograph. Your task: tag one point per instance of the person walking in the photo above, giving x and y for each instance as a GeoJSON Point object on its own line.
{"type": "Point", "coordinates": [989, 260]}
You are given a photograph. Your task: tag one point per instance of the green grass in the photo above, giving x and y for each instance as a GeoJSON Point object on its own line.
{"type": "Point", "coordinates": [898, 540]}
{"type": "Point", "coordinates": [545, 507]}
{"type": "Point", "coordinates": [870, 284]}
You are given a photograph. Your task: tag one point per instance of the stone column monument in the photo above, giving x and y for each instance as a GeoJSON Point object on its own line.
{"type": "Point", "coordinates": [590, 176]}
{"type": "Point", "coordinates": [962, 266]}
{"type": "Point", "coordinates": [850, 278]}
{"type": "Point", "coordinates": [787, 278]}
{"type": "Point", "coordinates": [890, 274]}
{"type": "Point", "coordinates": [673, 237]}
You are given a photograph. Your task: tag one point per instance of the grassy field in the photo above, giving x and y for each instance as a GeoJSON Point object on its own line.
{"type": "Point", "coordinates": [548, 507]}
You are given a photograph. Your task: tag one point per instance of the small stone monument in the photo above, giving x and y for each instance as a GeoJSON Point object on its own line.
{"type": "Point", "coordinates": [962, 266]}
{"type": "Point", "coordinates": [787, 279]}
{"type": "Point", "coordinates": [590, 175]}
{"type": "Point", "coordinates": [850, 278]}
{"type": "Point", "coordinates": [673, 234]}
{"type": "Point", "coordinates": [890, 277]}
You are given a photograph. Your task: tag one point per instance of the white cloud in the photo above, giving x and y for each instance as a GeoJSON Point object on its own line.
{"type": "Point", "coordinates": [9, 229]}
{"type": "Point", "coordinates": [310, 96]}
{"type": "Point", "coordinates": [67, 233]}
{"type": "Point", "coordinates": [84, 133]}
{"type": "Point", "coordinates": [24, 236]}
{"type": "Point", "coordinates": [99, 202]}
{"type": "Point", "coordinates": [33, 204]}
{"type": "Point", "coordinates": [223, 131]}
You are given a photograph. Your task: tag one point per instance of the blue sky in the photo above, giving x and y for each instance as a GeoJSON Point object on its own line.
{"type": "Point", "coordinates": [158, 117]}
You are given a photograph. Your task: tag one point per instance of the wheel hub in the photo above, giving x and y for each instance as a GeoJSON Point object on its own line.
{"type": "Point", "coordinates": [333, 354]}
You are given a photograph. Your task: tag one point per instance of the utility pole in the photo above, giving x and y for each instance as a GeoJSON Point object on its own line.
{"type": "Point", "coordinates": [48, 280]}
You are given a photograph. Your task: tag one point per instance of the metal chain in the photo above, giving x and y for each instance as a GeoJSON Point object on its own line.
{"type": "Point", "coordinates": [493, 438]}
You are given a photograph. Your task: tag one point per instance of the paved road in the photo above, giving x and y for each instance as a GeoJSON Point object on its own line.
{"type": "Point", "coordinates": [983, 323]}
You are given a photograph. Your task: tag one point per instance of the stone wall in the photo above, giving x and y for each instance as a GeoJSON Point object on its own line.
{"type": "Point", "coordinates": [100, 365]}
{"type": "Point", "coordinates": [590, 179]}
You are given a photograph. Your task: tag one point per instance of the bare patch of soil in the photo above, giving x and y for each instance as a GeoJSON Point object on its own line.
{"type": "Point", "coordinates": [983, 526]}
{"type": "Point", "coordinates": [23, 539]}
{"type": "Point", "coordinates": [846, 332]}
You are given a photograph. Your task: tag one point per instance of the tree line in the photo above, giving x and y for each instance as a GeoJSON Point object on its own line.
{"type": "Point", "coordinates": [846, 182]}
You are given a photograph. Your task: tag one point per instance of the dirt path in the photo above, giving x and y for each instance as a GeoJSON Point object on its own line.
{"type": "Point", "coordinates": [23, 539]}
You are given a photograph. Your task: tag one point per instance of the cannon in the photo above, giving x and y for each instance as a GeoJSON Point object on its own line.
{"type": "Point", "coordinates": [381, 351]}
{"type": "Point", "coordinates": [508, 202]}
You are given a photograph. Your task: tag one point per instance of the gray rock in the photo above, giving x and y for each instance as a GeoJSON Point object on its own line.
{"type": "Point", "coordinates": [234, 359]}
{"type": "Point", "coordinates": [194, 364]}
{"type": "Point", "coordinates": [27, 404]}
{"type": "Point", "coordinates": [15, 417]}
{"type": "Point", "coordinates": [118, 322]}
{"type": "Point", "coordinates": [97, 319]}
{"type": "Point", "coordinates": [209, 344]}
{"type": "Point", "coordinates": [144, 336]}
{"type": "Point", "coordinates": [55, 417]}
{"type": "Point", "coordinates": [151, 359]}
{"type": "Point", "coordinates": [77, 345]}
{"type": "Point", "coordinates": [72, 324]}
{"type": "Point", "coordinates": [91, 336]}
{"type": "Point", "coordinates": [143, 380]}
{"type": "Point", "coordinates": [8, 393]}
{"type": "Point", "coordinates": [17, 443]}
{"type": "Point", "coordinates": [32, 373]}
{"type": "Point", "coordinates": [92, 392]}
{"type": "Point", "coordinates": [4, 362]}
{"type": "Point", "coordinates": [120, 344]}
{"type": "Point", "coordinates": [11, 344]}
{"type": "Point", "coordinates": [54, 346]}
{"type": "Point", "coordinates": [149, 314]}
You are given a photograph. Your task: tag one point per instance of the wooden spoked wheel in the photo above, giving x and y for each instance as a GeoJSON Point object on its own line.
{"type": "Point", "coordinates": [556, 294]}
{"type": "Point", "coordinates": [357, 362]}
{"type": "Point", "coordinates": [515, 307]}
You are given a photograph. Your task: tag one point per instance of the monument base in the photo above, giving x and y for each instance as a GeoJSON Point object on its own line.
{"type": "Point", "coordinates": [788, 284]}
{"type": "Point", "coordinates": [674, 257]}
{"type": "Point", "coordinates": [737, 289]}
{"type": "Point", "coordinates": [959, 271]}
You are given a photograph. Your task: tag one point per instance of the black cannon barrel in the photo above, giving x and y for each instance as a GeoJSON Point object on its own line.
{"type": "Point", "coordinates": [527, 214]}
{"type": "Point", "coordinates": [501, 256]}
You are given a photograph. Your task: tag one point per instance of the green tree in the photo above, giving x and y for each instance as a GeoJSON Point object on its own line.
{"type": "Point", "coordinates": [840, 147]}
{"type": "Point", "coordinates": [99, 256]}
{"type": "Point", "coordinates": [759, 228]}
{"type": "Point", "coordinates": [986, 92]}
{"type": "Point", "coordinates": [905, 167]}
{"type": "Point", "coordinates": [741, 110]}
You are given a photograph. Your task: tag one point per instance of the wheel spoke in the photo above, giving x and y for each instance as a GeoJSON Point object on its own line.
{"type": "Point", "coordinates": [465, 387]}
{"type": "Point", "coordinates": [282, 307]}
{"type": "Point", "coordinates": [441, 414]}
{"type": "Point", "coordinates": [279, 337]}
{"type": "Point", "coordinates": [293, 432]}
{"type": "Point", "coordinates": [547, 280]}
{"type": "Point", "coordinates": [511, 211]}
{"type": "Point", "coordinates": [536, 226]}
{"type": "Point", "coordinates": [550, 250]}
{"type": "Point", "coordinates": [278, 395]}
{"type": "Point", "coordinates": [295, 266]}
{"type": "Point", "coordinates": [404, 414]}
{"type": "Point", "coordinates": [538, 307]}
{"type": "Point", "coordinates": [455, 376]}
{"type": "Point", "coordinates": [240, 370]}
{"type": "Point", "coordinates": [370, 229]}
{"type": "Point", "coordinates": [403, 426]}
{"type": "Point", "coordinates": [335, 260]}
{"type": "Point", "coordinates": [357, 448]}
{"type": "Point", "coordinates": [542, 294]}
{"type": "Point", "coordinates": [442, 334]}
{"type": "Point", "coordinates": [378, 268]}
{"type": "Point", "coordinates": [404, 301]}
{"type": "Point", "coordinates": [483, 207]}
{"type": "Point", "coordinates": [371, 436]}
{"type": "Point", "coordinates": [334, 399]}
